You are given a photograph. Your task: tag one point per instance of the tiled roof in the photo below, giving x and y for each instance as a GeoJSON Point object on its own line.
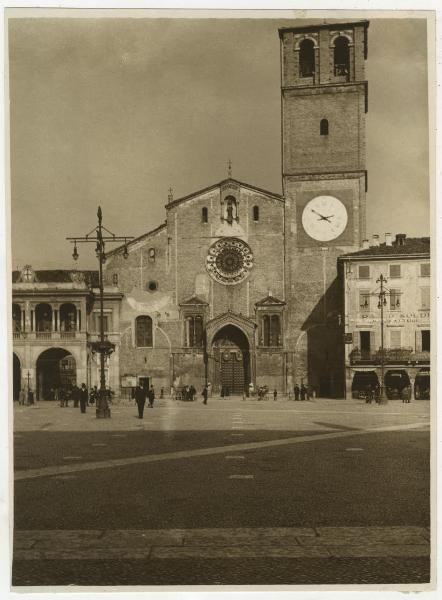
{"type": "Point", "coordinates": [409, 247]}
{"type": "Point", "coordinates": [59, 276]}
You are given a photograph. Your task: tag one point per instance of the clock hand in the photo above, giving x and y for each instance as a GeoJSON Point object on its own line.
{"type": "Point", "coordinates": [319, 214]}
{"type": "Point", "coordinates": [322, 218]}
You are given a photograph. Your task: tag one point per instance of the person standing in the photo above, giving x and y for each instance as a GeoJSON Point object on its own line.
{"type": "Point", "coordinates": [151, 395]}
{"type": "Point", "coordinates": [83, 397]}
{"type": "Point", "coordinates": [275, 395]}
{"type": "Point", "coordinates": [303, 391]}
{"type": "Point", "coordinates": [75, 395]}
{"type": "Point", "coordinates": [296, 390]}
{"type": "Point", "coordinates": [205, 394]}
{"type": "Point", "coordinates": [192, 392]}
{"type": "Point", "coordinates": [21, 397]}
{"type": "Point", "coordinates": [140, 399]}
{"type": "Point", "coordinates": [30, 397]}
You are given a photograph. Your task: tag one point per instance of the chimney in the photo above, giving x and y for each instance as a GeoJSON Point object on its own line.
{"type": "Point", "coordinates": [388, 239]}
{"type": "Point", "coordinates": [365, 245]}
{"type": "Point", "coordinates": [375, 240]}
{"type": "Point", "coordinates": [400, 239]}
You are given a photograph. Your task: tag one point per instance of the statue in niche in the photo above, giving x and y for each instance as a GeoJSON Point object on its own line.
{"type": "Point", "coordinates": [231, 211]}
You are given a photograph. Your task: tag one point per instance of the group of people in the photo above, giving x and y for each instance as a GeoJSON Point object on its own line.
{"type": "Point", "coordinates": [141, 394]}
{"type": "Point", "coordinates": [78, 395]}
{"type": "Point", "coordinates": [301, 393]}
{"type": "Point", "coordinates": [26, 397]}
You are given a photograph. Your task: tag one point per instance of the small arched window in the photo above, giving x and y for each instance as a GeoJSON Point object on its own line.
{"type": "Point", "coordinates": [143, 332]}
{"type": "Point", "coordinates": [151, 255]}
{"type": "Point", "coordinates": [152, 286]}
{"type": "Point", "coordinates": [204, 214]}
{"type": "Point", "coordinates": [256, 213]}
{"type": "Point", "coordinates": [323, 127]}
{"type": "Point", "coordinates": [341, 57]}
{"type": "Point", "coordinates": [306, 58]}
{"type": "Point", "coordinates": [115, 278]}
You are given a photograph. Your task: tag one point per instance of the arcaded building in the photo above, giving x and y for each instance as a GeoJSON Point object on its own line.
{"type": "Point", "coordinates": [55, 322]}
{"type": "Point", "coordinates": [239, 285]}
{"type": "Point", "coordinates": [400, 337]}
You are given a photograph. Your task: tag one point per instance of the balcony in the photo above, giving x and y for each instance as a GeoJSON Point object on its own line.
{"type": "Point", "coordinates": [67, 335]}
{"type": "Point", "coordinates": [392, 356]}
{"type": "Point", "coordinates": [43, 337]}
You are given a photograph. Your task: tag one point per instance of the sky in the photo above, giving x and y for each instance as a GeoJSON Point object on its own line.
{"type": "Point", "coordinates": [116, 111]}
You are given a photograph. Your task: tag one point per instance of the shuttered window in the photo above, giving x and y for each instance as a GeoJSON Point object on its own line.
{"type": "Point", "coordinates": [364, 272]}
{"type": "Point", "coordinates": [395, 338]}
{"type": "Point", "coordinates": [425, 298]}
{"type": "Point", "coordinates": [425, 269]}
{"type": "Point", "coordinates": [395, 271]}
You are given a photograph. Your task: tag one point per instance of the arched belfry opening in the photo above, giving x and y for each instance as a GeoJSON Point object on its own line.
{"type": "Point", "coordinates": [231, 354]}
{"type": "Point", "coordinates": [306, 58]}
{"type": "Point", "coordinates": [341, 57]}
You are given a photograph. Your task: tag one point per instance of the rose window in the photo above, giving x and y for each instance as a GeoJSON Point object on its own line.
{"type": "Point", "coordinates": [229, 261]}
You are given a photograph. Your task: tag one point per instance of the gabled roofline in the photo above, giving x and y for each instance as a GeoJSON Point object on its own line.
{"type": "Point", "coordinates": [219, 184]}
{"type": "Point", "coordinates": [137, 239]}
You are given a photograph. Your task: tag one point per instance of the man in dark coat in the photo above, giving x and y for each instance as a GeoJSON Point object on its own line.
{"type": "Point", "coordinates": [83, 397]}
{"type": "Point", "coordinates": [303, 391]}
{"type": "Point", "coordinates": [151, 395]}
{"type": "Point", "coordinates": [75, 395]}
{"type": "Point", "coordinates": [140, 399]}
{"type": "Point", "coordinates": [297, 390]}
{"type": "Point", "coordinates": [205, 394]}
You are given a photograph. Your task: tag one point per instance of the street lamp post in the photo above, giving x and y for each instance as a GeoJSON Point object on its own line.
{"type": "Point", "coordinates": [104, 346]}
{"type": "Point", "coordinates": [382, 301]}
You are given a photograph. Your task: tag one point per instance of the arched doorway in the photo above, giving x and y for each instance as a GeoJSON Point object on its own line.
{"type": "Point", "coordinates": [16, 376]}
{"type": "Point", "coordinates": [232, 360]}
{"type": "Point", "coordinates": [395, 381]}
{"type": "Point", "coordinates": [363, 381]}
{"type": "Point", "coordinates": [56, 368]}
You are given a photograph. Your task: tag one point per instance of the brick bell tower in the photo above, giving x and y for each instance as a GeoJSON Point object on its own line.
{"type": "Point", "coordinates": [324, 102]}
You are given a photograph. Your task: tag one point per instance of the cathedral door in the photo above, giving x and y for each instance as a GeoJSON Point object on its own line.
{"type": "Point", "coordinates": [233, 360]}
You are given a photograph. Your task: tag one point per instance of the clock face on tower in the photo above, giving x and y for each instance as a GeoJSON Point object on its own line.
{"type": "Point", "coordinates": [324, 218]}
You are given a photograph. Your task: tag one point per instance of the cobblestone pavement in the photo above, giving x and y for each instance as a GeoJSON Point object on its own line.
{"type": "Point", "coordinates": [253, 572]}
{"type": "Point", "coordinates": [244, 493]}
{"type": "Point", "coordinates": [284, 542]}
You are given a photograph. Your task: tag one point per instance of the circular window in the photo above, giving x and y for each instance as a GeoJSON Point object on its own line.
{"type": "Point", "coordinates": [229, 261]}
{"type": "Point", "coordinates": [152, 286]}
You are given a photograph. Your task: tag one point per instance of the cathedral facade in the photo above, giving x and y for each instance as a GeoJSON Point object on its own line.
{"type": "Point", "coordinates": [239, 286]}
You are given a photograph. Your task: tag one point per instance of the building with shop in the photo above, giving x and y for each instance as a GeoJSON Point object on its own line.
{"type": "Point", "coordinates": [55, 322]}
{"type": "Point", "coordinates": [406, 327]}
